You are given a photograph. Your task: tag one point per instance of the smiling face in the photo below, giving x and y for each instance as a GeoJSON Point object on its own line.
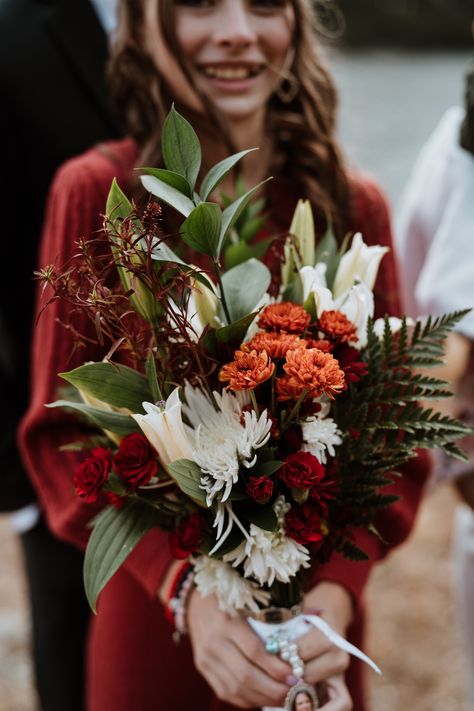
{"type": "Point", "coordinates": [303, 702]}
{"type": "Point", "coordinates": [235, 52]}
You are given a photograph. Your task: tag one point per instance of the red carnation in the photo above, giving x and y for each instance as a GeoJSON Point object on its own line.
{"type": "Point", "coordinates": [303, 524]}
{"type": "Point", "coordinates": [91, 474]}
{"type": "Point", "coordinates": [187, 536]}
{"type": "Point", "coordinates": [301, 471]}
{"type": "Point", "coordinates": [259, 487]}
{"type": "Point", "coordinates": [349, 360]}
{"type": "Point", "coordinates": [135, 461]}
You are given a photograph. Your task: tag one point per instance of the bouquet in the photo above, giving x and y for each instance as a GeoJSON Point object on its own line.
{"type": "Point", "coordinates": [255, 419]}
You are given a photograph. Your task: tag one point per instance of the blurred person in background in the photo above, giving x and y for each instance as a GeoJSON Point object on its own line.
{"type": "Point", "coordinates": [434, 237]}
{"type": "Point", "coordinates": [54, 106]}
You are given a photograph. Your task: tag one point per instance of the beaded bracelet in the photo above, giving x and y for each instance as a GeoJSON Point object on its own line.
{"type": "Point", "coordinates": [178, 599]}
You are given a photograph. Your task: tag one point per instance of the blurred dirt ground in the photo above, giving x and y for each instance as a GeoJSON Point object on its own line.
{"type": "Point", "coordinates": [413, 630]}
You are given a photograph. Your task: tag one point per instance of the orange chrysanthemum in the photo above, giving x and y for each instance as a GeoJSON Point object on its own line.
{"type": "Point", "coordinates": [275, 344]}
{"type": "Point", "coordinates": [321, 343]}
{"type": "Point", "coordinates": [284, 318]}
{"type": "Point", "coordinates": [337, 326]}
{"type": "Point", "coordinates": [247, 370]}
{"type": "Point", "coordinates": [312, 370]}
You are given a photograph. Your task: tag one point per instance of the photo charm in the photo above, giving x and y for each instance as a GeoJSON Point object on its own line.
{"type": "Point", "coordinates": [301, 697]}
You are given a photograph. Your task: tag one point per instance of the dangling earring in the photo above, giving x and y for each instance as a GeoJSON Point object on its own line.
{"type": "Point", "coordinates": [288, 89]}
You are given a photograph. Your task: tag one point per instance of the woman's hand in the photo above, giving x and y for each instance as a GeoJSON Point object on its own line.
{"type": "Point", "coordinates": [323, 661]}
{"type": "Point", "coordinates": [233, 659]}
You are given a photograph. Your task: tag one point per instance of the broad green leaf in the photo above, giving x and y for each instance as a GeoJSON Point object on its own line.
{"type": "Point", "coordinates": [326, 249]}
{"type": "Point", "coordinates": [262, 516]}
{"type": "Point", "coordinates": [294, 291]}
{"type": "Point", "coordinates": [251, 227]}
{"type": "Point", "coordinates": [181, 148]}
{"type": "Point", "coordinates": [333, 263]}
{"type": "Point", "coordinates": [201, 229]}
{"type": "Point", "coordinates": [267, 468]}
{"type": "Point", "coordinates": [118, 206]}
{"type": "Point", "coordinates": [244, 286]}
{"type": "Point", "coordinates": [217, 174]}
{"type": "Point", "coordinates": [240, 252]}
{"type": "Point", "coordinates": [188, 475]}
{"type": "Point", "coordinates": [167, 194]}
{"type": "Point", "coordinates": [111, 421]}
{"type": "Point", "coordinates": [114, 536]}
{"type": "Point", "coordinates": [232, 213]}
{"type": "Point", "coordinates": [170, 178]}
{"type": "Point", "coordinates": [160, 252]}
{"type": "Point", "coordinates": [235, 332]}
{"type": "Point", "coordinates": [116, 385]}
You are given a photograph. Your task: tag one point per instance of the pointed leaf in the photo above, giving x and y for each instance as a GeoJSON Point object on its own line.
{"type": "Point", "coordinates": [188, 476]}
{"type": "Point", "coordinates": [217, 174]}
{"type": "Point", "coordinates": [118, 205]}
{"type": "Point", "coordinates": [167, 194]}
{"type": "Point", "coordinates": [232, 213]}
{"type": "Point", "coordinates": [153, 379]}
{"type": "Point", "coordinates": [114, 536]}
{"type": "Point", "coordinates": [201, 229]}
{"type": "Point", "coordinates": [181, 148]}
{"type": "Point", "coordinates": [235, 254]}
{"type": "Point", "coordinates": [111, 421]}
{"type": "Point", "coordinates": [170, 178]}
{"type": "Point", "coordinates": [244, 286]}
{"type": "Point", "coordinates": [116, 385]}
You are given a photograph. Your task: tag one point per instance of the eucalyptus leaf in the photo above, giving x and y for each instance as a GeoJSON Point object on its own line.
{"type": "Point", "coordinates": [170, 178]}
{"type": "Point", "coordinates": [217, 174]}
{"type": "Point", "coordinates": [111, 421]}
{"type": "Point", "coordinates": [240, 252]}
{"type": "Point", "coordinates": [244, 286]}
{"type": "Point", "coordinates": [167, 194]}
{"type": "Point", "coordinates": [201, 229]}
{"type": "Point", "coordinates": [188, 475]}
{"type": "Point", "coordinates": [181, 148]}
{"type": "Point", "coordinates": [116, 385]}
{"type": "Point", "coordinates": [114, 536]}
{"type": "Point", "coordinates": [232, 213]}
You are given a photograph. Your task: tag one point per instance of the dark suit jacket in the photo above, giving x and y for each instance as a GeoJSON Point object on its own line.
{"type": "Point", "coordinates": [53, 105]}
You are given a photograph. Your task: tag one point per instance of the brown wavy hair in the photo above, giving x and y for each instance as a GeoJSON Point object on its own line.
{"type": "Point", "coordinates": [303, 131]}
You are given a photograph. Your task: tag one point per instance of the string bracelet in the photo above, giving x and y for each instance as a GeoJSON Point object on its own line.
{"type": "Point", "coordinates": [177, 602]}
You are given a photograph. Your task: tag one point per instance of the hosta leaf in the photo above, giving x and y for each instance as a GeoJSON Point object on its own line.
{"type": "Point", "coordinates": [116, 385]}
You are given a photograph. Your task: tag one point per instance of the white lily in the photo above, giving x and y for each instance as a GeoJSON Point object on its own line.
{"type": "Point", "coordinates": [358, 305]}
{"type": "Point", "coordinates": [359, 263]}
{"type": "Point", "coordinates": [164, 428]}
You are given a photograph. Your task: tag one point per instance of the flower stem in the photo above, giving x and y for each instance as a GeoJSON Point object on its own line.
{"type": "Point", "coordinates": [221, 290]}
{"type": "Point", "coordinates": [254, 402]}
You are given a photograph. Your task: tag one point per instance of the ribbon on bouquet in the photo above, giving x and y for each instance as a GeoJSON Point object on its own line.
{"type": "Point", "coordinates": [298, 626]}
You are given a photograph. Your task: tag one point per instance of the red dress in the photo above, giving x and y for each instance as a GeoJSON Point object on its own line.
{"type": "Point", "coordinates": [132, 661]}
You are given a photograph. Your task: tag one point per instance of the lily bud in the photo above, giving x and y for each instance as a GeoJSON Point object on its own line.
{"type": "Point", "coordinates": [205, 303]}
{"type": "Point", "coordinates": [100, 405]}
{"type": "Point", "coordinates": [360, 263]}
{"type": "Point", "coordinates": [164, 429]}
{"type": "Point", "coordinates": [302, 227]}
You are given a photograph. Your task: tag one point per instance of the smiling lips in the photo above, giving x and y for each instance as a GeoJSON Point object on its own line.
{"type": "Point", "coordinates": [234, 72]}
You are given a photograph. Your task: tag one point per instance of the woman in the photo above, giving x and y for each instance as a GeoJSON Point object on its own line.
{"type": "Point", "coordinates": [246, 73]}
{"type": "Point", "coordinates": [302, 702]}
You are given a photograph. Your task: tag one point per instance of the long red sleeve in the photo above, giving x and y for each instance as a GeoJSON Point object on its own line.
{"type": "Point", "coordinates": [77, 200]}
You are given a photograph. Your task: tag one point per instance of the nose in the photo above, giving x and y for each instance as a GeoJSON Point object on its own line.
{"type": "Point", "coordinates": [234, 25]}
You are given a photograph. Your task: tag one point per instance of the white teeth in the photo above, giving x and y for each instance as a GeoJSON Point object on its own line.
{"type": "Point", "coordinates": [229, 73]}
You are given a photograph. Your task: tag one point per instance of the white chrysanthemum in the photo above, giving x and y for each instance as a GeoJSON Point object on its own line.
{"type": "Point", "coordinates": [320, 435]}
{"type": "Point", "coordinates": [224, 439]}
{"type": "Point", "coordinates": [234, 593]}
{"type": "Point", "coordinates": [270, 555]}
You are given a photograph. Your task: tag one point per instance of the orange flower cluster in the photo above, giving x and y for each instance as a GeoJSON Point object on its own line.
{"type": "Point", "coordinates": [275, 344]}
{"type": "Point", "coordinates": [312, 370]}
{"type": "Point", "coordinates": [284, 318]}
{"type": "Point", "coordinates": [320, 343]}
{"type": "Point", "coordinates": [247, 370]}
{"type": "Point", "coordinates": [337, 326]}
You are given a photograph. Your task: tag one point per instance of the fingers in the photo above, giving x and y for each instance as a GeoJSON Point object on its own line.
{"type": "Point", "coordinates": [322, 659]}
{"type": "Point", "coordinates": [236, 680]}
{"type": "Point", "coordinates": [338, 695]}
{"type": "Point", "coordinates": [253, 649]}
